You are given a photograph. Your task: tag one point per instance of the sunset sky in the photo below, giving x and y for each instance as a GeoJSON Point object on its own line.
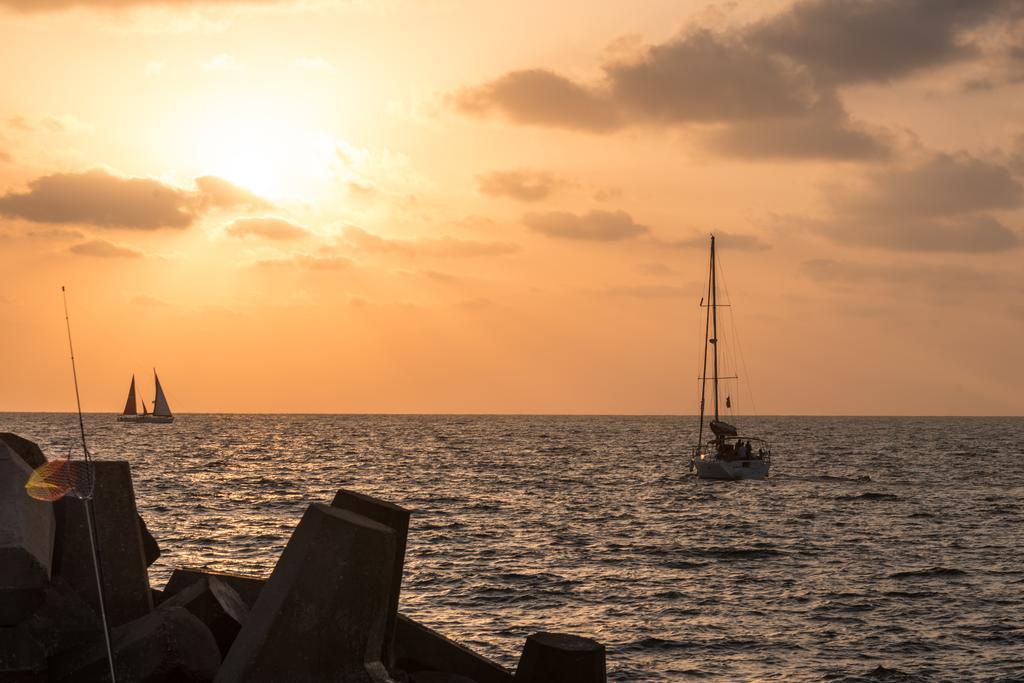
{"type": "Point", "coordinates": [443, 206]}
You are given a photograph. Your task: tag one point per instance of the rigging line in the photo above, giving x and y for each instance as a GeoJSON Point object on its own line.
{"type": "Point", "coordinates": [90, 515]}
{"type": "Point", "coordinates": [746, 373]}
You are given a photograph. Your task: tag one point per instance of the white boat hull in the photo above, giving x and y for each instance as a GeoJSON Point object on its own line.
{"type": "Point", "coordinates": [710, 467]}
{"type": "Point", "coordinates": [152, 419]}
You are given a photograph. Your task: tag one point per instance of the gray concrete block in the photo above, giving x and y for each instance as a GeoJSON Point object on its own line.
{"type": "Point", "coordinates": [247, 587]}
{"type": "Point", "coordinates": [166, 646]}
{"type": "Point", "coordinates": [418, 648]}
{"type": "Point", "coordinates": [28, 450]}
{"type": "Point", "coordinates": [126, 581]}
{"type": "Point", "coordinates": [27, 536]}
{"type": "Point", "coordinates": [215, 604]}
{"type": "Point", "coordinates": [322, 613]}
{"type": "Point", "coordinates": [394, 517]}
{"type": "Point", "coordinates": [561, 658]}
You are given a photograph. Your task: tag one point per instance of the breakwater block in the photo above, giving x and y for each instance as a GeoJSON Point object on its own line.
{"type": "Point", "coordinates": [22, 658]}
{"type": "Point", "coordinates": [165, 645]}
{"type": "Point", "coordinates": [150, 548]}
{"type": "Point", "coordinates": [247, 587]}
{"type": "Point", "coordinates": [64, 622]}
{"type": "Point", "coordinates": [28, 450]}
{"type": "Point", "coordinates": [27, 537]}
{"type": "Point", "coordinates": [393, 517]}
{"type": "Point", "coordinates": [561, 658]}
{"type": "Point", "coordinates": [421, 649]}
{"type": "Point", "coordinates": [217, 605]}
{"type": "Point", "coordinates": [123, 560]}
{"type": "Point", "coordinates": [322, 613]}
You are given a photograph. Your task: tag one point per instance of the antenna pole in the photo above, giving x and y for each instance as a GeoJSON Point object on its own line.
{"type": "Point", "coordinates": [90, 515]}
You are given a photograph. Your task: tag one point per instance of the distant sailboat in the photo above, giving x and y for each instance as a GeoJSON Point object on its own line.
{"type": "Point", "coordinates": [161, 411]}
{"type": "Point", "coordinates": [728, 455]}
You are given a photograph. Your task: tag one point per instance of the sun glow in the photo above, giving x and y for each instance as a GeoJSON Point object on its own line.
{"type": "Point", "coordinates": [265, 146]}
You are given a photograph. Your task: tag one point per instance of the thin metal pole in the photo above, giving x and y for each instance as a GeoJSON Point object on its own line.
{"type": "Point", "coordinates": [704, 368]}
{"type": "Point", "coordinates": [90, 515]}
{"type": "Point", "coordinates": [714, 322]}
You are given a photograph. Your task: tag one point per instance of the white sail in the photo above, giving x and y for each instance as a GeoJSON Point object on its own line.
{"type": "Point", "coordinates": [130, 406]}
{"type": "Point", "coordinates": [160, 406]}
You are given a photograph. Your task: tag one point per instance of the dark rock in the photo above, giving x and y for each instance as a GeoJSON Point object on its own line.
{"type": "Point", "coordinates": [165, 646]}
{"type": "Point", "coordinates": [28, 450]}
{"type": "Point", "coordinates": [126, 582]}
{"type": "Point", "coordinates": [215, 604]}
{"type": "Point", "coordinates": [419, 648]}
{"type": "Point", "coordinates": [27, 534]}
{"type": "Point", "coordinates": [393, 517]}
{"type": "Point", "coordinates": [247, 587]}
{"type": "Point", "coordinates": [322, 613]}
{"type": "Point", "coordinates": [22, 658]}
{"type": "Point", "coordinates": [561, 658]}
{"type": "Point", "coordinates": [150, 548]}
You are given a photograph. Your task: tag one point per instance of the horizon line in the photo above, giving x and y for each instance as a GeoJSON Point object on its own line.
{"type": "Point", "coordinates": [515, 414]}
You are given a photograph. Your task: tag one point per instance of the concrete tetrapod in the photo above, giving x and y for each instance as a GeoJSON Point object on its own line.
{"type": "Point", "coordinates": [396, 518]}
{"type": "Point", "coordinates": [247, 587]}
{"type": "Point", "coordinates": [125, 579]}
{"type": "Point", "coordinates": [322, 613]}
{"type": "Point", "coordinates": [561, 658]}
{"type": "Point", "coordinates": [27, 534]}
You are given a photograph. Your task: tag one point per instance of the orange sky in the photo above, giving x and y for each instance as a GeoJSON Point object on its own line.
{"type": "Point", "coordinates": [401, 206]}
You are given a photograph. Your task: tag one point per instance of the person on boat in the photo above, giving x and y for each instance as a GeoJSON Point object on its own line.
{"type": "Point", "coordinates": [749, 449]}
{"type": "Point", "coordinates": [741, 450]}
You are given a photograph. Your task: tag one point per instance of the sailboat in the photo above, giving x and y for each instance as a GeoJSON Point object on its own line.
{"type": "Point", "coordinates": [728, 455]}
{"type": "Point", "coordinates": [161, 411]}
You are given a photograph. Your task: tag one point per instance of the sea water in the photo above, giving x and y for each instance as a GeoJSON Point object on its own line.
{"type": "Point", "coordinates": [879, 549]}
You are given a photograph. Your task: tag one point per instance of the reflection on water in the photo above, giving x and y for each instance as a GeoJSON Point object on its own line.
{"type": "Point", "coordinates": [877, 542]}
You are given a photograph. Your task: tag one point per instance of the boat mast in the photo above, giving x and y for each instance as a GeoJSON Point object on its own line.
{"type": "Point", "coordinates": [704, 367]}
{"type": "Point", "coordinates": [714, 325]}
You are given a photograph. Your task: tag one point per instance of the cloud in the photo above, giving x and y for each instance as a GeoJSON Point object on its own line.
{"type": "Point", "coordinates": [269, 228]}
{"type": "Point", "coordinates": [874, 40]}
{"type": "Point", "coordinates": [596, 226]}
{"type": "Point", "coordinates": [28, 6]}
{"type": "Point", "coordinates": [942, 203]}
{"type": "Point", "coordinates": [706, 77]}
{"type": "Point", "coordinates": [104, 249]}
{"type": "Point", "coordinates": [307, 262]}
{"type": "Point", "coordinates": [101, 199]}
{"type": "Point", "coordinates": [525, 186]}
{"type": "Point", "coordinates": [219, 193]}
{"type": "Point", "coordinates": [769, 89]}
{"type": "Point", "coordinates": [941, 185]}
{"type": "Point", "coordinates": [443, 247]}
{"type": "Point", "coordinates": [932, 278]}
{"type": "Point", "coordinates": [541, 97]}
{"type": "Point", "coordinates": [826, 131]}
{"type": "Point", "coordinates": [961, 234]}
{"type": "Point", "coordinates": [5, 157]}
{"type": "Point", "coordinates": [731, 241]}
